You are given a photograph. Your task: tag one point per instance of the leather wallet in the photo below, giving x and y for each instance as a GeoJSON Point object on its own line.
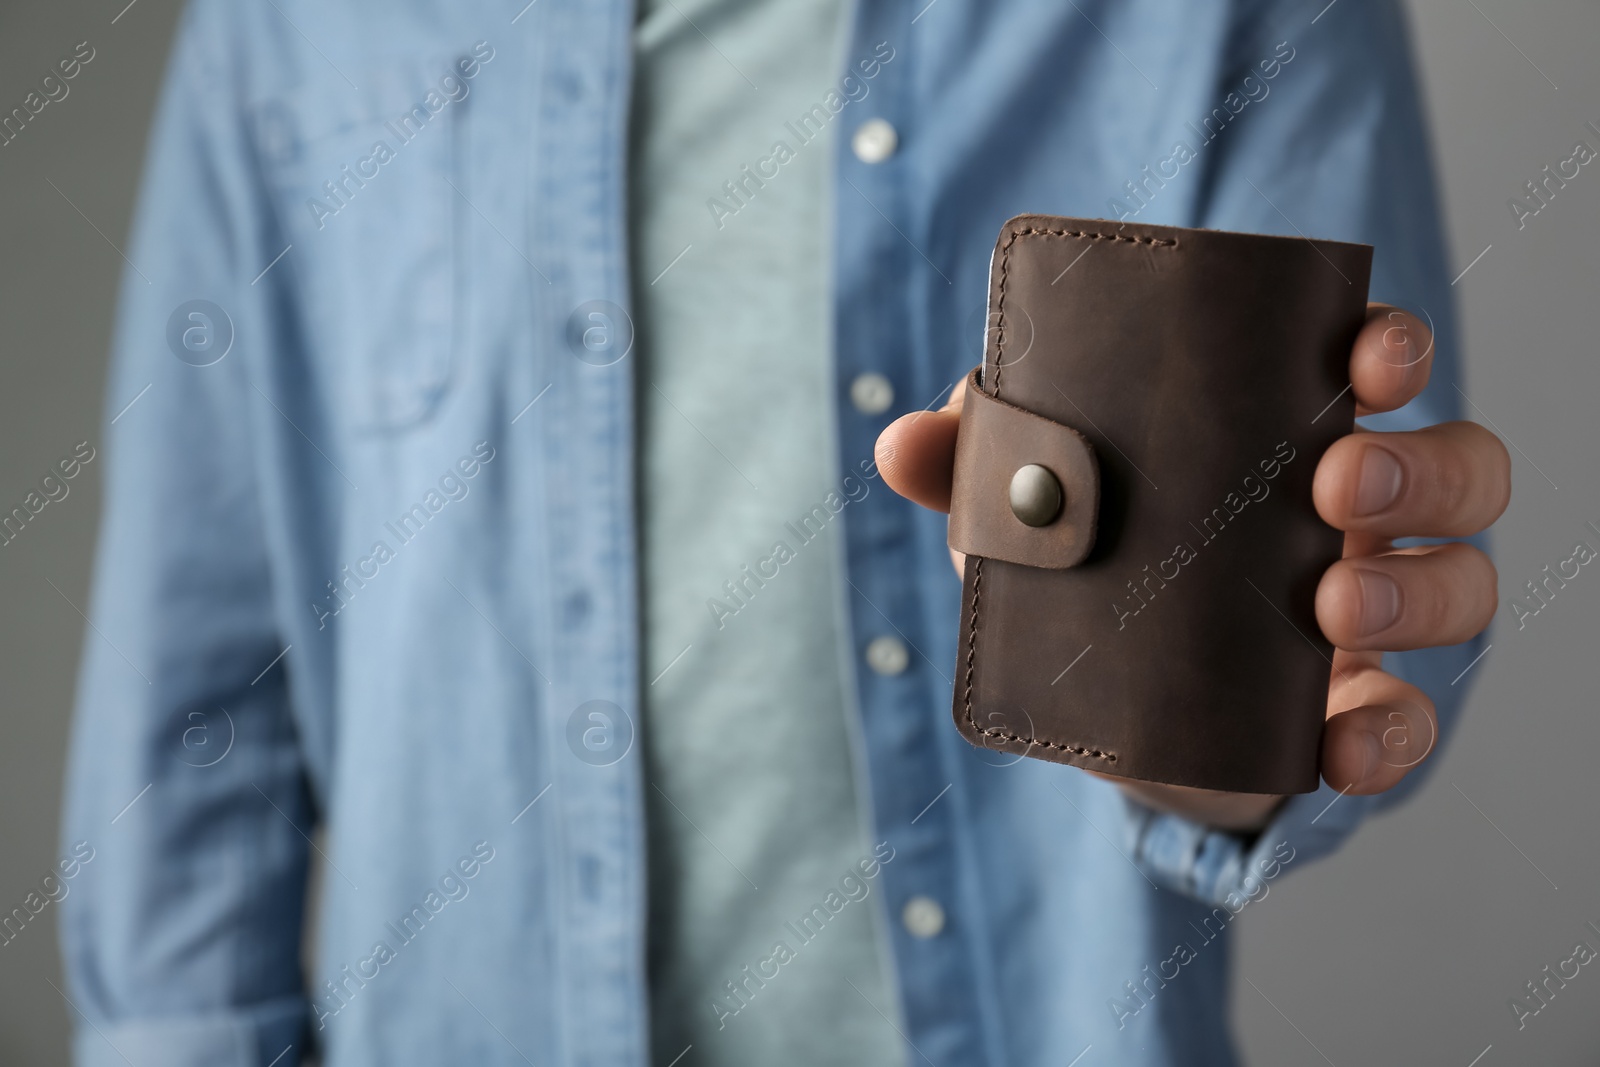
{"type": "Point", "coordinates": [1133, 494]}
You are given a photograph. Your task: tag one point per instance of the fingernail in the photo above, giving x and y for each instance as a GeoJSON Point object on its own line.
{"type": "Point", "coordinates": [1380, 482]}
{"type": "Point", "coordinates": [1371, 755]}
{"type": "Point", "coordinates": [1380, 601]}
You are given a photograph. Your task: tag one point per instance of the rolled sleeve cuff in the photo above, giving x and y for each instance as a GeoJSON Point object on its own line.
{"type": "Point", "coordinates": [1221, 867]}
{"type": "Point", "coordinates": [272, 1034]}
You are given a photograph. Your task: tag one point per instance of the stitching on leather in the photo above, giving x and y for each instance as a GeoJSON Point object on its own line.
{"type": "Point", "coordinates": [991, 731]}
{"type": "Point", "coordinates": [1005, 262]}
{"type": "Point", "coordinates": [977, 566]}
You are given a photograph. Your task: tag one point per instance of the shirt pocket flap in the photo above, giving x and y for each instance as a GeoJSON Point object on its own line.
{"type": "Point", "coordinates": [367, 187]}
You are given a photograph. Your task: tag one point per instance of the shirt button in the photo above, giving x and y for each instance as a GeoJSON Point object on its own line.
{"type": "Point", "coordinates": [887, 655]}
{"type": "Point", "coordinates": [874, 141]}
{"type": "Point", "coordinates": [871, 393]}
{"type": "Point", "coordinates": [923, 917]}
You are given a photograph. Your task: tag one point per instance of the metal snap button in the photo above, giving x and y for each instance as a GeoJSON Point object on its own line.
{"type": "Point", "coordinates": [1035, 495]}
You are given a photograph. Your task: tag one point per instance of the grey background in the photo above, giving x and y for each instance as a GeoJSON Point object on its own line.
{"type": "Point", "coordinates": [1403, 949]}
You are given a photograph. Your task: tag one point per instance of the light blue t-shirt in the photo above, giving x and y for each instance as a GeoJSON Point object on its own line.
{"type": "Point", "coordinates": [764, 946]}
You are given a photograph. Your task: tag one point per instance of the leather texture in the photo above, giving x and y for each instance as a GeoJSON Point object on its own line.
{"type": "Point", "coordinates": [1207, 372]}
{"type": "Point", "coordinates": [1003, 438]}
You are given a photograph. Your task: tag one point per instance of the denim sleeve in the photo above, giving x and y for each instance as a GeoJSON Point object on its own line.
{"type": "Point", "coordinates": [1332, 146]}
{"type": "Point", "coordinates": [182, 933]}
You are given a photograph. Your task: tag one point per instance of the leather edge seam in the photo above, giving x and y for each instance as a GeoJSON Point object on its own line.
{"type": "Point", "coordinates": [977, 567]}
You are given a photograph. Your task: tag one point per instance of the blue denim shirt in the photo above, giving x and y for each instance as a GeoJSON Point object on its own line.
{"type": "Point", "coordinates": [368, 567]}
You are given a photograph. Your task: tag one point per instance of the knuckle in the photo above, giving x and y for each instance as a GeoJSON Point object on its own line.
{"type": "Point", "coordinates": [1452, 488]}
{"type": "Point", "coordinates": [1478, 475]}
{"type": "Point", "coordinates": [1437, 604]}
{"type": "Point", "coordinates": [1486, 593]}
{"type": "Point", "coordinates": [1420, 334]}
{"type": "Point", "coordinates": [1501, 481]}
{"type": "Point", "coordinates": [1465, 591]}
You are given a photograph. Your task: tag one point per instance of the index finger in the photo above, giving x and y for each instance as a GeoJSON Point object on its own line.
{"type": "Point", "coordinates": [1391, 360]}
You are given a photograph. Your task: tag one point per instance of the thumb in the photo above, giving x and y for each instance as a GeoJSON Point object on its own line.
{"type": "Point", "coordinates": [916, 454]}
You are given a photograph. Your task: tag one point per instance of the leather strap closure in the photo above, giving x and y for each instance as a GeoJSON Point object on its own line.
{"type": "Point", "coordinates": [997, 514]}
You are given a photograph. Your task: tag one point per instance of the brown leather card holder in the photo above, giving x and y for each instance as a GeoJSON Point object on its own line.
{"type": "Point", "coordinates": [1133, 493]}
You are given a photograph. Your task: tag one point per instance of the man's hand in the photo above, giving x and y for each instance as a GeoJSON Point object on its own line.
{"type": "Point", "coordinates": [1449, 480]}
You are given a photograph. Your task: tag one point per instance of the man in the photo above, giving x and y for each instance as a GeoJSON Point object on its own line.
{"type": "Point", "coordinates": [509, 513]}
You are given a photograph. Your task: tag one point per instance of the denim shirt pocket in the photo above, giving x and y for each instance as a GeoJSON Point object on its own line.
{"type": "Point", "coordinates": [367, 185]}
